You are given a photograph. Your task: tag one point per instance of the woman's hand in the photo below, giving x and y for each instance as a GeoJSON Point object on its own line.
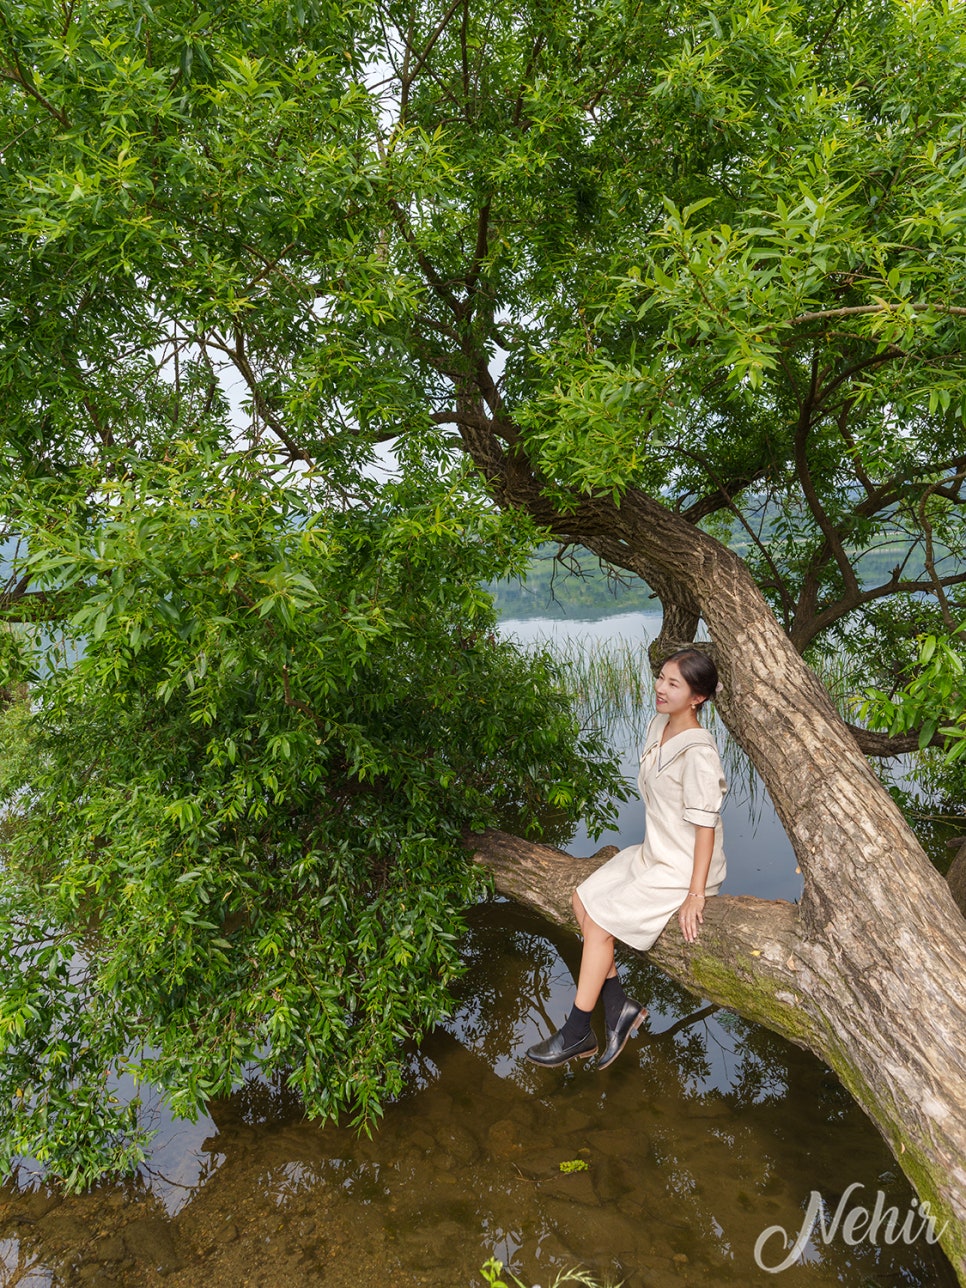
{"type": "Point", "coordinates": [691, 915]}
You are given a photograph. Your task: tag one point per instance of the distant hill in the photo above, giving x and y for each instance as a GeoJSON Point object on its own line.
{"type": "Point", "coordinates": [578, 588]}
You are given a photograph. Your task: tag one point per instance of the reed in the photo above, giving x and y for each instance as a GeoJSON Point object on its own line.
{"type": "Point", "coordinates": [610, 679]}
{"type": "Point", "coordinates": [838, 672]}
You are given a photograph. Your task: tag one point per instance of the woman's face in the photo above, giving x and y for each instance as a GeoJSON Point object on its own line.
{"type": "Point", "coordinates": [672, 692]}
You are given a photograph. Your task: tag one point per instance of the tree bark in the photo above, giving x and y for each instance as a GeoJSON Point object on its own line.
{"type": "Point", "coordinates": [872, 974]}
{"type": "Point", "coordinates": [956, 876]}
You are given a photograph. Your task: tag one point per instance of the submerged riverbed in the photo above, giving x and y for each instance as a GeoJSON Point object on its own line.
{"type": "Point", "coordinates": [705, 1132]}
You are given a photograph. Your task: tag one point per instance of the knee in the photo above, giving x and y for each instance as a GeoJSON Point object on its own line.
{"type": "Point", "coordinates": [592, 931]}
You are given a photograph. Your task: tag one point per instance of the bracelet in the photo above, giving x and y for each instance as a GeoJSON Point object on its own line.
{"type": "Point", "coordinates": [693, 894]}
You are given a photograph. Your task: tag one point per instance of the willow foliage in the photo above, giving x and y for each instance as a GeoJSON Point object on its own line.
{"type": "Point", "coordinates": [237, 805]}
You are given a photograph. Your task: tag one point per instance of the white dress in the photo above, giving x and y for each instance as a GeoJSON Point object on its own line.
{"type": "Point", "coordinates": [633, 895]}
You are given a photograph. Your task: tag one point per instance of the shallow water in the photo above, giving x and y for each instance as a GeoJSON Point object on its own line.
{"type": "Point", "coordinates": [705, 1132]}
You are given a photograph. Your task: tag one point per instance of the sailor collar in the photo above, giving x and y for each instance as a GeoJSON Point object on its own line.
{"type": "Point", "coordinates": [676, 746]}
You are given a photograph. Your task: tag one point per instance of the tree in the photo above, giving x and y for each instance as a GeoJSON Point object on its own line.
{"type": "Point", "coordinates": [654, 272]}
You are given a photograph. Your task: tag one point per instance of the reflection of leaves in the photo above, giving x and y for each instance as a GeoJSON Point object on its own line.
{"type": "Point", "coordinates": [658, 990]}
{"type": "Point", "coordinates": [258, 1102]}
{"type": "Point", "coordinates": [511, 956]}
{"type": "Point", "coordinates": [754, 1083]}
{"type": "Point", "coordinates": [691, 1056]}
{"type": "Point", "coordinates": [524, 948]}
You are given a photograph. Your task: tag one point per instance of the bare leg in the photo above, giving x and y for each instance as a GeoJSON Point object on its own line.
{"type": "Point", "coordinates": [576, 1039]}
{"type": "Point", "coordinates": [596, 959]}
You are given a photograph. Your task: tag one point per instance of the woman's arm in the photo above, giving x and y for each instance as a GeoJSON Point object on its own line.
{"type": "Point", "coordinates": [691, 912]}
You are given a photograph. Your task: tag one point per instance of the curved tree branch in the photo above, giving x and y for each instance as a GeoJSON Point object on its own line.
{"type": "Point", "coordinates": [748, 948]}
{"type": "Point", "coordinates": [804, 633]}
{"type": "Point", "coordinates": [884, 744]}
{"type": "Point", "coordinates": [860, 310]}
{"type": "Point", "coordinates": [17, 76]}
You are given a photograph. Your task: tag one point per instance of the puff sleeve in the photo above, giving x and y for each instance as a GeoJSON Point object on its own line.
{"type": "Point", "coordinates": [703, 785]}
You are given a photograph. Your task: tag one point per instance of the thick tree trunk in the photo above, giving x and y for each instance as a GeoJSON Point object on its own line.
{"type": "Point", "coordinates": [870, 971]}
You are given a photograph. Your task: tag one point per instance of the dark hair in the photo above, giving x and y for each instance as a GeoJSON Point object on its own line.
{"type": "Point", "coordinates": [699, 672]}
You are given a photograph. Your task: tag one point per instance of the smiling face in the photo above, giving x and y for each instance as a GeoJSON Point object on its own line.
{"type": "Point", "coordinates": [673, 695]}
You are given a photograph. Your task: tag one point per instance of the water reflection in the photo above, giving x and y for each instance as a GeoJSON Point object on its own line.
{"type": "Point", "coordinates": [704, 1132]}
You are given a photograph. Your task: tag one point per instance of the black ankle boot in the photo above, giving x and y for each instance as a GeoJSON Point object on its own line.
{"type": "Point", "coordinates": [631, 1017]}
{"type": "Point", "coordinates": [558, 1048]}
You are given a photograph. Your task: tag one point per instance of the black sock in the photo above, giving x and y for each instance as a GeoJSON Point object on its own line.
{"type": "Point", "coordinates": [577, 1025]}
{"type": "Point", "coordinates": [614, 997]}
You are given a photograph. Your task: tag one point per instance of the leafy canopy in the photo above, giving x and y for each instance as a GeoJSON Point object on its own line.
{"type": "Point", "coordinates": [714, 253]}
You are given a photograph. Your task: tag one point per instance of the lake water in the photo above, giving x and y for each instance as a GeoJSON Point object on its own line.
{"type": "Point", "coordinates": [705, 1132]}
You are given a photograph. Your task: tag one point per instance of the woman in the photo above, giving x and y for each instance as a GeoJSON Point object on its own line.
{"type": "Point", "coordinates": [677, 866]}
